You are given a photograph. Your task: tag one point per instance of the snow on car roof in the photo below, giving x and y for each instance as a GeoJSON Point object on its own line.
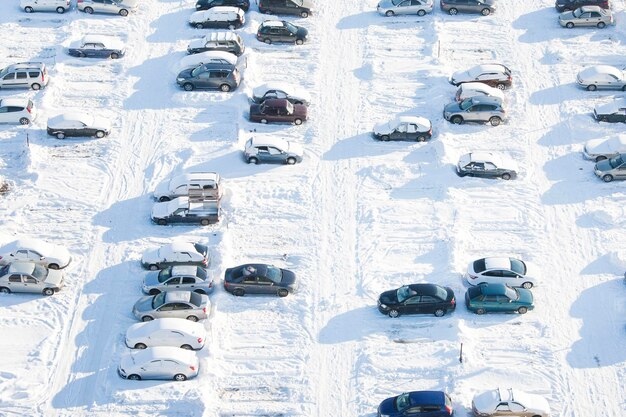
{"type": "Point", "coordinates": [612, 107]}
{"type": "Point", "coordinates": [145, 328]}
{"type": "Point", "coordinates": [163, 352]}
{"type": "Point", "coordinates": [205, 14]}
{"type": "Point", "coordinates": [418, 120]}
{"type": "Point", "coordinates": [479, 69]}
{"type": "Point", "coordinates": [180, 247]}
{"type": "Point", "coordinates": [184, 270]}
{"type": "Point", "coordinates": [205, 176]}
{"type": "Point", "coordinates": [22, 267]}
{"type": "Point", "coordinates": [274, 23]}
{"type": "Point", "coordinates": [600, 69]}
{"type": "Point", "coordinates": [290, 89]}
{"type": "Point", "coordinates": [106, 40]}
{"type": "Point", "coordinates": [35, 244]}
{"type": "Point", "coordinates": [176, 296]}
{"type": "Point", "coordinates": [220, 35]}
{"type": "Point", "coordinates": [499, 159]}
{"type": "Point", "coordinates": [15, 101]}
{"type": "Point", "coordinates": [497, 263]}
{"type": "Point", "coordinates": [207, 56]}
{"type": "Point", "coordinates": [269, 141]}
{"type": "Point", "coordinates": [69, 119]}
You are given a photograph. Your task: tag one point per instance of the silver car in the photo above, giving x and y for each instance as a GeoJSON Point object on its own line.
{"type": "Point", "coordinates": [161, 362]}
{"type": "Point", "coordinates": [181, 304]}
{"type": "Point", "coordinates": [475, 109]}
{"type": "Point", "coordinates": [395, 7]}
{"type": "Point", "coordinates": [121, 7]}
{"type": "Point", "coordinates": [587, 16]}
{"type": "Point", "coordinates": [179, 277]}
{"type": "Point", "coordinates": [612, 169]}
{"type": "Point", "coordinates": [601, 76]}
{"type": "Point", "coordinates": [30, 277]}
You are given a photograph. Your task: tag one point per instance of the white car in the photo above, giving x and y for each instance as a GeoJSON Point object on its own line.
{"type": "Point", "coordinates": [396, 7]}
{"type": "Point", "coordinates": [412, 128]}
{"type": "Point", "coordinates": [176, 253]}
{"type": "Point", "coordinates": [600, 149]}
{"type": "Point", "coordinates": [59, 6]}
{"type": "Point", "coordinates": [499, 402]}
{"type": "Point", "coordinates": [500, 270]}
{"type": "Point", "coordinates": [178, 333]}
{"type": "Point", "coordinates": [17, 111]}
{"type": "Point", "coordinates": [162, 362]}
{"type": "Point", "coordinates": [121, 7]}
{"type": "Point", "coordinates": [205, 183]}
{"type": "Point", "coordinates": [37, 251]}
{"type": "Point", "coordinates": [601, 76]}
{"type": "Point", "coordinates": [467, 90]}
{"type": "Point", "coordinates": [208, 57]}
{"type": "Point", "coordinates": [78, 124]}
{"type": "Point", "coordinates": [291, 92]}
{"type": "Point", "coordinates": [30, 277]}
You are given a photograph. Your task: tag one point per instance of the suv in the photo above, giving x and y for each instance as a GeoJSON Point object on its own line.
{"type": "Point", "coordinates": [16, 110]}
{"type": "Point", "coordinates": [571, 5]}
{"type": "Point", "coordinates": [218, 41]}
{"type": "Point", "coordinates": [121, 7]}
{"type": "Point", "coordinates": [24, 75]}
{"type": "Point", "coordinates": [181, 185]}
{"type": "Point", "coordinates": [281, 31]}
{"type": "Point", "coordinates": [484, 7]}
{"type": "Point", "coordinates": [272, 150]}
{"type": "Point", "coordinates": [210, 76]}
{"type": "Point", "coordinates": [475, 109]}
{"type": "Point", "coordinates": [186, 210]}
{"type": "Point", "coordinates": [300, 8]}
{"type": "Point", "coordinates": [278, 110]}
{"type": "Point", "coordinates": [207, 4]}
{"type": "Point", "coordinates": [59, 6]}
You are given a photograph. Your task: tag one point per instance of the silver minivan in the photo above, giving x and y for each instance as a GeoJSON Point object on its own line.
{"type": "Point", "coordinates": [24, 75]}
{"type": "Point", "coordinates": [612, 169]}
{"type": "Point", "coordinates": [59, 6]}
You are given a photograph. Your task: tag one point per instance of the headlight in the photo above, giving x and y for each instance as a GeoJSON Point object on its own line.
{"type": "Point", "coordinates": [385, 307]}
{"type": "Point", "coordinates": [180, 79]}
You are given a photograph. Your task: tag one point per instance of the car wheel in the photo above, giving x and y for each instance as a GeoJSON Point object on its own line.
{"type": "Point", "coordinates": [607, 178]}
{"type": "Point", "coordinates": [291, 161]}
{"type": "Point", "coordinates": [24, 121]}
{"type": "Point", "coordinates": [253, 160]}
{"type": "Point", "coordinates": [134, 377]}
{"type": "Point", "coordinates": [297, 122]}
{"type": "Point", "coordinates": [453, 11]}
{"type": "Point", "coordinates": [225, 88]}
{"type": "Point", "coordinates": [283, 292]}
{"type": "Point", "coordinates": [60, 135]}
{"type": "Point", "coordinates": [60, 10]}
{"type": "Point", "coordinates": [304, 15]}
{"type": "Point", "coordinates": [384, 138]}
{"type": "Point", "coordinates": [389, 13]}
{"type": "Point", "coordinates": [186, 347]}
{"type": "Point", "coordinates": [35, 86]}
{"type": "Point", "coordinates": [188, 87]}
{"type": "Point", "coordinates": [153, 267]}
{"type": "Point", "coordinates": [204, 222]}
{"type": "Point", "coordinates": [569, 25]}
{"type": "Point", "coordinates": [140, 346]}
{"type": "Point", "coordinates": [592, 87]}
{"type": "Point", "coordinates": [28, 9]}
{"type": "Point", "coordinates": [114, 55]}
{"type": "Point", "coordinates": [239, 292]}
{"type": "Point", "coordinates": [495, 121]}
{"type": "Point", "coordinates": [485, 12]}
{"type": "Point", "coordinates": [264, 121]}
{"type": "Point", "coordinates": [421, 138]}
{"type": "Point", "coordinates": [421, 12]}
{"type": "Point", "coordinates": [480, 311]}
{"type": "Point", "coordinates": [457, 120]}
{"type": "Point", "coordinates": [506, 176]}
{"type": "Point", "coordinates": [440, 312]}
{"type": "Point", "coordinates": [600, 158]}
{"type": "Point", "coordinates": [164, 198]}
{"type": "Point", "coordinates": [192, 318]}
{"type": "Point", "coordinates": [162, 222]}
{"type": "Point", "coordinates": [501, 86]}
{"type": "Point", "coordinates": [123, 12]}
{"type": "Point", "coordinates": [299, 41]}
{"type": "Point", "coordinates": [527, 285]}
{"type": "Point", "coordinates": [99, 134]}
{"type": "Point", "coordinates": [5, 290]}
{"type": "Point", "coordinates": [394, 313]}
{"type": "Point", "coordinates": [48, 291]}
{"type": "Point", "coordinates": [601, 25]}
{"type": "Point", "coordinates": [522, 310]}
{"type": "Point", "coordinates": [154, 291]}
{"type": "Point", "coordinates": [180, 377]}
{"type": "Point", "coordinates": [53, 266]}
{"type": "Point", "coordinates": [88, 10]}
{"type": "Point", "coordinates": [268, 41]}
{"type": "Point", "coordinates": [199, 26]}
{"type": "Point", "coordinates": [147, 318]}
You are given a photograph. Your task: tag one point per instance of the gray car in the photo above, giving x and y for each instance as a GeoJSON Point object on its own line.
{"type": "Point", "coordinates": [121, 7]}
{"type": "Point", "coordinates": [612, 169]}
{"type": "Point", "coordinates": [223, 77]}
{"type": "Point", "coordinates": [179, 277]}
{"type": "Point", "coordinates": [587, 16]}
{"type": "Point", "coordinates": [30, 277]}
{"type": "Point", "coordinates": [475, 109]}
{"type": "Point", "coordinates": [178, 304]}
{"type": "Point", "coordinates": [484, 7]}
{"type": "Point", "coordinates": [397, 7]}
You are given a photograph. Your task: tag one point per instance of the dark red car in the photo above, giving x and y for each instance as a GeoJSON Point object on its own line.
{"type": "Point", "coordinates": [568, 5]}
{"type": "Point", "coordinates": [278, 111]}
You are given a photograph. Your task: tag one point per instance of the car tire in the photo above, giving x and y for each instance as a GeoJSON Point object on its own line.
{"type": "Point", "coordinates": [48, 292]}
{"type": "Point", "coordinates": [501, 86]}
{"type": "Point", "coordinates": [389, 13]}
{"type": "Point", "coordinates": [299, 41]}
{"type": "Point", "coordinates": [291, 161]}
{"type": "Point", "coordinates": [188, 87]}
{"type": "Point", "coordinates": [88, 10]}
{"type": "Point", "coordinates": [480, 311]}
{"type": "Point", "coordinates": [527, 285]}
{"type": "Point", "coordinates": [134, 377]}
{"type": "Point", "coordinates": [53, 266]}
{"type": "Point", "coordinates": [297, 122]}
{"type": "Point", "coordinates": [140, 346]}
{"type": "Point", "coordinates": [393, 313]}
{"type": "Point", "coordinates": [28, 9]}
{"type": "Point", "coordinates": [60, 135]}
{"type": "Point", "coordinates": [163, 199]}
{"type": "Point", "coordinates": [421, 12]}
{"type": "Point", "coordinates": [154, 291]}
{"type": "Point", "coordinates": [60, 10]}
{"type": "Point", "coordinates": [186, 347]}
{"type": "Point", "coordinates": [506, 176]}
{"type": "Point", "coordinates": [114, 55]}
{"type": "Point", "coordinates": [461, 174]}
{"type": "Point", "coordinates": [283, 292]}
{"type": "Point", "coordinates": [522, 310]}
{"type": "Point", "coordinates": [36, 86]}
{"type": "Point", "coordinates": [192, 318]}
{"type": "Point", "coordinates": [569, 25]}
{"type": "Point", "coordinates": [592, 87]}
{"type": "Point", "coordinates": [123, 12]}
{"type": "Point", "coordinates": [180, 377]}
{"type": "Point", "coordinates": [5, 290]}
{"type": "Point", "coordinates": [421, 138]}
{"type": "Point", "coordinates": [453, 12]}
{"type": "Point", "coordinates": [253, 160]}
{"type": "Point", "coordinates": [239, 292]}
{"type": "Point", "coordinates": [264, 121]}
{"type": "Point", "coordinates": [600, 158]}
{"type": "Point", "coordinates": [24, 121]}
{"type": "Point", "coordinates": [384, 138]}
{"type": "Point", "coordinates": [147, 318]}
{"type": "Point", "coordinates": [204, 222]}
{"type": "Point", "coordinates": [495, 121]}
{"type": "Point", "coordinates": [456, 120]}
{"type": "Point", "coordinates": [485, 12]}
{"type": "Point", "coordinates": [225, 88]}
{"type": "Point", "coordinates": [153, 267]}
{"type": "Point", "coordinates": [304, 15]}
{"type": "Point", "coordinates": [601, 25]}
{"type": "Point", "coordinates": [99, 134]}
{"type": "Point", "coordinates": [607, 178]}
{"type": "Point", "coordinates": [440, 312]}
{"type": "Point", "coordinates": [267, 41]}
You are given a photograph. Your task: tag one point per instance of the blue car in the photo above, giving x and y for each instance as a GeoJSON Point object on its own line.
{"type": "Point", "coordinates": [99, 46]}
{"type": "Point", "coordinates": [417, 404]}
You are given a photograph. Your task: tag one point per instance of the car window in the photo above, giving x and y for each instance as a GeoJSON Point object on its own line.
{"type": "Point", "coordinates": [9, 77]}
{"type": "Point", "coordinates": [508, 274]}
{"type": "Point", "coordinates": [414, 300]}
{"type": "Point", "coordinates": [414, 410]}
{"type": "Point", "coordinates": [165, 274]}
{"type": "Point", "coordinates": [33, 74]}
{"type": "Point", "coordinates": [490, 298]}
{"type": "Point", "coordinates": [166, 307]}
{"type": "Point", "coordinates": [274, 151]}
{"type": "Point", "coordinates": [249, 280]}
{"type": "Point", "coordinates": [182, 306]}
{"type": "Point", "coordinates": [489, 166]}
{"type": "Point", "coordinates": [21, 75]}
{"type": "Point", "coordinates": [503, 407]}
{"type": "Point", "coordinates": [173, 281]}
{"type": "Point", "coordinates": [264, 281]}
{"type": "Point", "coordinates": [502, 299]}
{"type": "Point", "coordinates": [405, 3]}
{"type": "Point", "coordinates": [15, 278]}
{"type": "Point", "coordinates": [30, 280]}
{"type": "Point", "coordinates": [429, 299]}
{"type": "Point", "coordinates": [493, 273]}
{"type": "Point", "coordinates": [189, 280]}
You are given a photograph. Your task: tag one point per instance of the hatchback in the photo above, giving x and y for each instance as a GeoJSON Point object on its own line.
{"type": "Point", "coordinates": [487, 165]}
{"type": "Point", "coordinates": [210, 76]}
{"type": "Point", "coordinates": [176, 253]}
{"type": "Point", "coordinates": [399, 7]}
{"type": "Point", "coordinates": [278, 111]}
{"type": "Point", "coordinates": [219, 40]}
{"type": "Point", "coordinates": [500, 270]}
{"type": "Point", "coordinates": [272, 150]}
{"type": "Point", "coordinates": [417, 404]}
{"type": "Point", "coordinates": [121, 7]}
{"type": "Point", "coordinates": [300, 8]}
{"type": "Point", "coordinates": [565, 5]}
{"type": "Point", "coordinates": [510, 402]}
{"type": "Point", "coordinates": [281, 31]}
{"type": "Point", "coordinates": [36, 251]}
{"type": "Point", "coordinates": [78, 124]}
{"type": "Point", "coordinates": [498, 298]}
{"type": "Point", "coordinates": [179, 333]}
{"type": "Point", "coordinates": [475, 109]}
{"type": "Point", "coordinates": [293, 93]}
{"type": "Point", "coordinates": [59, 6]}
{"type": "Point", "coordinates": [611, 169]}
{"type": "Point", "coordinates": [30, 277]}
{"type": "Point", "coordinates": [417, 299]}
{"type": "Point", "coordinates": [99, 46]}
{"type": "Point", "coordinates": [174, 304]}
{"type": "Point", "coordinates": [17, 111]}
{"type": "Point", "coordinates": [259, 279]}
{"type": "Point", "coordinates": [207, 4]}
{"type": "Point", "coordinates": [206, 184]}
{"type": "Point", "coordinates": [484, 7]}
{"type": "Point", "coordinates": [162, 362]}
{"type": "Point", "coordinates": [586, 16]}
{"type": "Point", "coordinates": [179, 277]}
{"type": "Point", "coordinates": [605, 148]}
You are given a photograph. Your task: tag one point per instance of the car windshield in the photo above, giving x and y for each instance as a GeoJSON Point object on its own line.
{"type": "Point", "coordinates": [274, 274]}
{"type": "Point", "coordinates": [165, 274]}
{"type": "Point", "coordinates": [617, 161]}
{"type": "Point", "coordinates": [3, 72]}
{"type": "Point", "coordinates": [158, 300]}
{"type": "Point", "coordinates": [40, 272]}
{"type": "Point", "coordinates": [518, 266]}
{"type": "Point", "coordinates": [577, 12]}
{"type": "Point", "coordinates": [197, 71]}
{"type": "Point", "coordinates": [298, 2]}
{"type": "Point", "coordinates": [403, 293]}
{"type": "Point", "coordinates": [402, 401]}
{"type": "Point", "coordinates": [396, 2]}
{"type": "Point", "coordinates": [291, 28]}
{"type": "Point", "coordinates": [466, 104]}
{"type": "Point", "coordinates": [511, 293]}
{"type": "Point", "coordinates": [4, 271]}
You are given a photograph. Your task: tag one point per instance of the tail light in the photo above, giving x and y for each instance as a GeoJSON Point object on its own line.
{"type": "Point", "coordinates": [80, 1]}
{"type": "Point", "coordinates": [211, 284]}
{"type": "Point", "coordinates": [205, 262]}
{"type": "Point", "coordinates": [199, 340]}
{"type": "Point", "coordinates": [510, 78]}
{"type": "Point", "coordinates": [204, 310]}
{"type": "Point", "coordinates": [449, 409]}
{"type": "Point", "coordinates": [193, 368]}
{"type": "Point", "coordinates": [453, 301]}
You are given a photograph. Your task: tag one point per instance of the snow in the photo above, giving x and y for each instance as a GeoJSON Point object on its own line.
{"type": "Point", "coordinates": [356, 218]}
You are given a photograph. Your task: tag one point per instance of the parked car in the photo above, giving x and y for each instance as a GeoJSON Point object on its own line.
{"type": "Point", "coordinates": [99, 46]}
{"type": "Point", "coordinates": [499, 298]}
{"type": "Point", "coordinates": [30, 277]}
{"type": "Point", "coordinates": [278, 111]}
{"type": "Point", "coordinates": [611, 169]}
{"type": "Point", "coordinates": [484, 7]}
{"type": "Point", "coordinates": [272, 150]}
{"type": "Point", "coordinates": [473, 89]}
{"type": "Point", "coordinates": [78, 124]}
{"type": "Point", "coordinates": [281, 31]}
{"type": "Point", "coordinates": [475, 109]}
{"type": "Point", "coordinates": [24, 75]}
{"type": "Point", "coordinates": [614, 112]}
{"type": "Point", "coordinates": [586, 16]}
{"type": "Point", "coordinates": [417, 404]}
{"type": "Point", "coordinates": [176, 253]}
{"type": "Point", "coordinates": [183, 334]}
{"type": "Point", "coordinates": [59, 6]}
{"type": "Point", "coordinates": [208, 184]}
{"type": "Point", "coordinates": [600, 149]}
{"type": "Point", "coordinates": [570, 5]}
{"type": "Point", "coordinates": [207, 4]}
{"type": "Point", "coordinates": [300, 8]}
{"type": "Point", "coordinates": [399, 7]}
{"type": "Point", "coordinates": [219, 40]}
{"type": "Point", "coordinates": [280, 90]}
{"type": "Point", "coordinates": [417, 299]}
{"type": "Point", "coordinates": [162, 362]}
{"type": "Point", "coordinates": [259, 279]}
{"type": "Point", "coordinates": [179, 277]}
{"type": "Point", "coordinates": [185, 210]}
{"type": "Point", "coordinates": [173, 304]}
{"type": "Point", "coordinates": [223, 77]}
{"type": "Point", "coordinates": [218, 17]}
{"type": "Point", "coordinates": [500, 270]}
{"type": "Point", "coordinates": [209, 57]}
{"type": "Point", "coordinates": [494, 75]}
{"type": "Point", "coordinates": [412, 128]}
{"type": "Point", "coordinates": [487, 165]}
{"type": "Point", "coordinates": [36, 251]}
{"type": "Point", "coordinates": [498, 402]}
{"type": "Point", "coordinates": [19, 110]}
{"type": "Point", "coordinates": [121, 7]}
{"type": "Point", "coordinates": [601, 76]}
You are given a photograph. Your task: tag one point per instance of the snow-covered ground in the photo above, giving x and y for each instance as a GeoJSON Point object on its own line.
{"type": "Point", "coordinates": [357, 217]}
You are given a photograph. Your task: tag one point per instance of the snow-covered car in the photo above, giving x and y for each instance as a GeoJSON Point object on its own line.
{"type": "Point", "coordinates": [218, 17]}
{"type": "Point", "coordinates": [207, 57]}
{"type": "Point", "coordinates": [413, 128]}
{"type": "Point", "coordinates": [98, 46]}
{"type": "Point", "coordinates": [36, 251]}
{"type": "Point", "coordinates": [172, 304]}
{"type": "Point", "coordinates": [614, 112]}
{"type": "Point", "coordinates": [78, 124]}
{"type": "Point", "coordinates": [611, 169]}
{"type": "Point", "coordinates": [219, 40]}
{"type": "Point", "coordinates": [207, 4]}
{"type": "Point", "coordinates": [587, 16]}
{"type": "Point", "coordinates": [479, 109]}
{"type": "Point", "coordinates": [473, 89]}
{"type": "Point", "coordinates": [500, 270]}
{"type": "Point", "coordinates": [272, 151]}
{"type": "Point", "coordinates": [499, 402]}
{"type": "Point", "coordinates": [184, 210]}
{"type": "Point", "coordinates": [601, 77]}
{"type": "Point", "coordinates": [487, 165]}
{"type": "Point", "coordinates": [176, 253]}
{"type": "Point", "coordinates": [17, 111]}
{"type": "Point", "coordinates": [494, 75]}
{"type": "Point", "coordinates": [177, 278]}
{"type": "Point", "coordinates": [162, 362]}
{"type": "Point", "coordinates": [292, 93]}
{"type": "Point", "coordinates": [179, 333]}
{"type": "Point", "coordinates": [59, 6]}
{"type": "Point", "coordinates": [206, 183]}
{"type": "Point", "coordinates": [398, 7]}
{"type": "Point", "coordinates": [30, 277]}
{"type": "Point", "coordinates": [281, 31]}
{"type": "Point", "coordinates": [600, 149]}
{"type": "Point", "coordinates": [121, 7]}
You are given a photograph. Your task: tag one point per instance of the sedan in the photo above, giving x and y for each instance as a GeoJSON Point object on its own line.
{"type": "Point", "coordinates": [499, 402]}
{"type": "Point", "coordinates": [36, 251]}
{"type": "Point", "coordinates": [602, 76]}
{"type": "Point", "coordinates": [180, 304]}
{"type": "Point", "coordinates": [601, 149]}
{"type": "Point", "coordinates": [99, 46]}
{"type": "Point", "coordinates": [278, 111]}
{"type": "Point", "coordinates": [259, 279]}
{"type": "Point", "coordinates": [614, 112]}
{"type": "Point", "coordinates": [500, 270]}
{"type": "Point", "coordinates": [586, 16]}
{"type": "Point", "coordinates": [30, 277]}
{"type": "Point", "coordinates": [121, 7]}
{"type": "Point", "coordinates": [398, 7]}
{"type": "Point", "coordinates": [565, 5]}
{"type": "Point", "coordinates": [494, 75]}
{"type": "Point", "coordinates": [279, 90]}
{"type": "Point", "coordinates": [176, 253]}
{"type": "Point", "coordinates": [78, 124]}
{"type": "Point", "coordinates": [272, 150]}
{"type": "Point", "coordinates": [410, 128]}
{"type": "Point", "coordinates": [417, 299]}
{"type": "Point", "coordinates": [207, 4]}
{"type": "Point", "coordinates": [179, 333]}
{"type": "Point", "coordinates": [611, 169]}
{"type": "Point", "coordinates": [487, 165]}
{"type": "Point", "coordinates": [162, 362]}
{"type": "Point", "coordinates": [417, 404]}
{"type": "Point", "coordinates": [499, 298]}
{"type": "Point", "coordinates": [179, 277]}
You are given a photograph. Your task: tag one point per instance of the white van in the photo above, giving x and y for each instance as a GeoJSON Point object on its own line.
{"type": "Point", "coordinates": [59, 6]}
{"type": "Point", "coordinates": [224, 17]}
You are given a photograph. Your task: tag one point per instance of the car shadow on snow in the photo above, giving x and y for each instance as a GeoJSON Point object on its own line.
{"type": "Point", "coordinates": [541, 25]}
{"type": "Point", "coordinates": [176, 26]}
{"type": "Point", "coordinates": [371, 18]}
{"type": "Point", "coordinates": [363, 145]}
{"type": "Point", "coordinates": [154, 86]}
{"type": "Point", "coordinates": [557, 94]}
{"type": "Point", "coordinates": [575, 130]}
{"type": "Point", "coordinates": [13, 299]}
{"type": "Point", "coordinates": [602, 337]}
{"type": "Point", "coordinates": [232, 165]}
{"type": "Point", "coordinates": [605, 264]}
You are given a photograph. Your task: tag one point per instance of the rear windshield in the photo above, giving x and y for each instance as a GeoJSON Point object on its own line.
{"type": "Point", "coordinates": [479, 265]}
{"type": "Point", "coordinates": [196, 299]}
{"type": "Point", "coordinates": [200, 248]}
{"type": "Point", "coordinates": [518, 266]}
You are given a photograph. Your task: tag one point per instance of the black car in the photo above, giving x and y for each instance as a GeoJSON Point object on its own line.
{"type": "Point", "coordinates": [207, 4]}
{"type": "Point", "coordinates": [417, 404]}
{"type": "Point", "coordinates": [614, 112]}
{"type": "Point", "coordinates": [272, 31]}
{"type": "Point", "coordinates": [417, 299]}
{"type": "Point", "coordinates": [300, 8]}
{"type": "Point", "coordinates": [78, 124]}
{"type": "Point", "coordinates": [486, 165]}
{"type": "Point", "coordinates": [569, 5]}
{"type": "Point", "coordinates": [259, 279]}
{"type": "Point", "coordinates": [98, 46]}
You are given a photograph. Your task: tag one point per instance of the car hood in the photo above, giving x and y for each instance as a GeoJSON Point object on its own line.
{"type": "Point", "coordinates": [160, 210]}
{"type": "Point", "coordinates": [185, 73]}
{"type": "Point", "coordinates": [162, 189]}
{"type": "Point", "coordinates": [566, 16]}
{"type": "Point", "coordinates": [144, 304]}
{"type": "Point", "coordinates": [604, 166]}
{"type": "Point", "coordinates": [151, 279]}
{"type": "Point", "coordinates": [127, 361]}
{"type": "Point", "coordinates": [389, 297]}
{"type": "Point", "coordinates": [302, 32]}
{"type": "Point", "coordinates": [151, 255]}
{"type": "Point", "coordinates": [525, 296]}
{"type": "Point", "coordinates": [383, 128]}
{"type": "Point", "coordinates": [452, 108]}
{"type": "Point", "coordinates": [460, 76]}
{"type": "Point", "coordinates": [387, 407]}
{"type": "Point", "coordinates": [55, 277]}
{"type": "Point", "coordinates": [289, 278]}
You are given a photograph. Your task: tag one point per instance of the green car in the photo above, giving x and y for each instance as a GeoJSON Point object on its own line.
{"type": "Point", "coordinates": [498, 298]}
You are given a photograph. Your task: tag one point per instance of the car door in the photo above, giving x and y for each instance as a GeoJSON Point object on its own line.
{"type": "Point", "coordinates": [399, 133]}
{"type": "Point", "coordinates": [181, 258]}
{"type": "Point", "coordinates": [182, 310]}
{"type": "Point", "coordinates": [101, 51]}
{"type": "Point", "coordinates": [21, 255]}
{"type": "Point", "coordinates": [21, 79]}
{"type": "Point", "coordinates": [170, 368]}
{"type": "Point", "coordinates": [32, 284]}
{"type": "Point", "coordinates": [618, 116]}
{"type": "Point", "coordinates": [472, 114]}
{"type": "Point", "coordinates": [151, 370]}
{"type": "Point", "coordinates": [428, 304]}
{"type": "Point", "coordinates": [594, 18]}
{"type": "Point", "coordinates": [492, 276]}
{"type": "Point", "coordinates": [510, 278]}
{"type": "Point", "coordinates": [111, 6]}
{"type": "Point", "coordinates": [249, 283]}
{"type": "Point", "coordinates": [503, 303]}
{"type": "Point", "coordinates": [491, 171]}
{"type": "Point", "coordinates": [5, 116]}
{"type": "Point", "coordinates": [276, 155]}
{"type": "Point", "coordinates": [188, 283]}
{"type": "Point", "coordinates": [265, 286]}
{"type": "Point", "coordinates": [405, 7]}
{"type": "Point", "coordinates": [14, 283]}
{"type": "Point", "coordinates": [289, 7]}
{"type": "Point", "coordinates": [8, 81]}
{"type": "Point", "coordinates": [411, 305]}
{"type": "Point", "coordinates": [464, 5]}
{"type": "Point", "coordinates": [412, 132]}
{"type": "Point", "coordinates": [415, 411]}
{"type": "Point", "coordinates": [620, 172]}
{"type": "Point", "coordinates": [270, 113]}
{"type": "Point", "coordinates": [179, 215]}
{"type": "Point", "coordinates": [172, 283]}
{"type": "Point", "coordinates": [166, 310]}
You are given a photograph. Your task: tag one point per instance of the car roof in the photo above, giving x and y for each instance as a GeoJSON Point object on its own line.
{"type": "Point", "coordinates": [427, 397]}
{"type": "Point", "coordinates": [498, 263]}
{"type": "Point", "coordinates": [592, 9]}
{"type": "Point", "coordinates": [22, 267]}
{"type": "Point", "coordinates": [167, 323]}
{"type": "Point", "coordinates": [216, 10]}
{"type": "Point", "coordinates": [34, 244]}
{"type": "Point", "coordinates": [105, 39]}
{"type": "Point", "coordinates": [498, 159]}
{"type": "Point", "coordinates": [220, 35]}
{"type": "Point", "coordinates": [15, 101]}
{"type": "Point", "coordinates": [163, 352]}
{"type": "Point", "coordinates": [425, 289]}
{"type": "Point", "coordinates": [204, 57]}
{"type": "Point", "coordinates": [23, 65]}
{"type": "Point", "coordinates": [488, 68]}
{"type": "Point", "coordinates": [288, 88]}
{"type": "Point", "coordinates": [275, 23]}
{"type": "Point", "coordinates": [492, 289]}
{"type": "Point", "coordinates": [181, 247]}
{"type": "Point", "coordinates": [422, 121]}
{"type": "Point", "coordinates": [277, 102]}
{"type": "Point", "coordinates": [269, 141]}
{"type": "Point", "coordinates": [601, 69]}
{"type": "Point", "coordinates": [71, 117]}
{"type": "Point", "coordinates": [184, 270]}
{"type": "Point", "coordinates": [177, 296]}
{"type": "Point", "coordinates": [486, 100]}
